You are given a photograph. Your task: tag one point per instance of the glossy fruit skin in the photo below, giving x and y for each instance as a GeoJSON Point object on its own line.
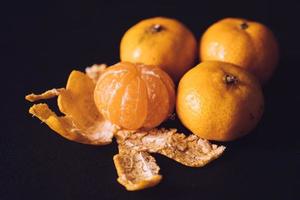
{"type": "Point", "coordinates": [162, 42]}
{"type": "Point", "coordinates": [135, 96]}
{"type": "Point", "coordinates": [216, 107]}
{"type": "Point", "coordinates": [248, 44]}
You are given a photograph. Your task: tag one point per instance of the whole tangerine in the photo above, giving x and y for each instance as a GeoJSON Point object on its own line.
{"type": "Point", "coordinates": [219, 101]}
{"type": "Point", "coordinates": [248, 44]}
{"type": "Point", "coordinates": [160, 41]}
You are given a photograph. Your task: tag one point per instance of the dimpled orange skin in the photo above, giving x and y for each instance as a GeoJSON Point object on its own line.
{"type": "Point", "coordinates": [219, 101]}
{"type": "Point", "coordinates": [248, 44]}
{"type": "Point", "coordinates": [135, 96]}
{"type": "Point", "coordinates": [162, 42]}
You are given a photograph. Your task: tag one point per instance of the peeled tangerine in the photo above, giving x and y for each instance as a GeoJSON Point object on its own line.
{"type": "Point", "coordinates": [135, 96]}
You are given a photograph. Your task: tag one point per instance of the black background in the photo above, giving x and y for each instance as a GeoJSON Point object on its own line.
{"type": "Point", "coordinates": [42, 41]}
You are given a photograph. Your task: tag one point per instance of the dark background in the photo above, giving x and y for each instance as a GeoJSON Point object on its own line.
{"type": "Point", "coordinates": [42, 41]}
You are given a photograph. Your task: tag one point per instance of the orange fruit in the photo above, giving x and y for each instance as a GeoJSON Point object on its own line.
{"type": "Point", "coordinates": [135, 96]}
{"type": "Point", "coordinates": [219, 101]}
{"type": "Point", "coordinates": [162, 42]}
{"type": "Point", "coordinates": [248, 44]}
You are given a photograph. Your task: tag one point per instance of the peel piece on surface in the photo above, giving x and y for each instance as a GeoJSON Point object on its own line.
{"type": "Point", "coordinates": [62, 125]}
{"type": "Point", "coordinates": [82, 121]}
{"type": "Point", "coordinates": [188, 150]}
{"type": "Point", "coordinates": [136, 169]}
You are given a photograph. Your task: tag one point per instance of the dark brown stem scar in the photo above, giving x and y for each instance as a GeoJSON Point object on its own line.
{"type": "Point", "coordinates": [230, 79]}
{"type": "Point", "coordinates": [244, 25]}
{"type": "Point", "coordinates": [156, 28]}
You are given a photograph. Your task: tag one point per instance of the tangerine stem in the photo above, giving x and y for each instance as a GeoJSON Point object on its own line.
{"type": "Point", "coordinates": [230, 79]}
{"type": "Point", "coordinates": [244, 25]}
{"type": "Point", "coordinates": [156, 28]}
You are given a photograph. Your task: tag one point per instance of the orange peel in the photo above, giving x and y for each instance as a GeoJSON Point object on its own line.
{"type": "Point", "coordinates": [82, 121]}
{"type": "Point", "coordinates": [95, 71]}
{"type": "Point", "coordinates": [136, 169]}
{"type": "Point", "coordinates": [45, 95]}
{"type": "Point", "coordinates": [189, 150]}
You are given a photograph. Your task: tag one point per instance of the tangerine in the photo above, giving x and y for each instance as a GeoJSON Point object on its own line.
{"type": "Point", "coordinates": [219, 101]}
{"type": "Point", "coordinates": [248, 44]}
{"type": "Point", "coordinates": [135, 96]}
{"type": "Point", "coordinates": [162, 42]}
